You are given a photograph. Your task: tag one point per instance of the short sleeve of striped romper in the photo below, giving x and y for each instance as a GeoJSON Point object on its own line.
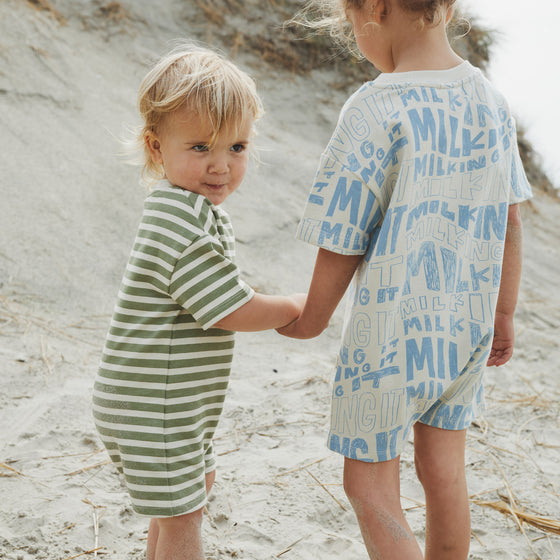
{"type": "Point", "coordinates": [164, 371]}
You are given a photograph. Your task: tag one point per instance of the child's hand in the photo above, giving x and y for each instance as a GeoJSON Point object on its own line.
{"type": "Point", "coordinates": [299, 303]}
{"type": "Point", "coordinates": [331, 276]}
{"type": "Point", "coordinates": [291, 330]}
{"type": "Point", "coordinates": [295, 328]}
{"type": "Point", "coordinates": [502, 345]}
{"type": "Point", "coordinates": [299, 300]}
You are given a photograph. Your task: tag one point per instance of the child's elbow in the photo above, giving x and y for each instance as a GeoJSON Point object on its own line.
{"type": "Point", "coordinates": [320, 329]}
{"type": "Point", "coordinates": [314, 330]}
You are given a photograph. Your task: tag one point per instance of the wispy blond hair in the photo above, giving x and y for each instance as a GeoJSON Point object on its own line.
{"type": "Point", "coordinates": [330, 16]}
{"type": "Point", "coordinates": [202, 80]}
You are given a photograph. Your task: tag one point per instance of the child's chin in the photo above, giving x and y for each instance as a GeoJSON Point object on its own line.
{"type": "Point", "coordinates": [216, 199]}
{"type": "Point", "coordinates": [217, 196]}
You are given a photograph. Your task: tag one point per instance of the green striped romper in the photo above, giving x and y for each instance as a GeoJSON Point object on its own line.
{"type": "Point", "coordinates": [161, 384]}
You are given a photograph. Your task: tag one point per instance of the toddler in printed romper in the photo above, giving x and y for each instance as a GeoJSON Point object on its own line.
{"type": "Point", "coordinates": [416, 202]}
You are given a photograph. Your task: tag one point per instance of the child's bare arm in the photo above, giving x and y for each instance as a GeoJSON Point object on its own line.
{"type": "Point", "coordinates": [263, 312]}
{"type": "Point", "coordinates": [333, 272]}
{"type": "Point", "coordinates": [502, 345]}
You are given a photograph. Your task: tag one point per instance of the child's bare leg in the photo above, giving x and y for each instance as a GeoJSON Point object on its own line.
{"type": "Point", "coordinates": [153, 533]}
{"type": "Point", "coordinates": [374, 492]}
{"type": "Point", "coordinates": [440, 464]}
{"type": "Point", "coordinates": [185, 527]}
{"type": "Point", "coordinates": [179, 537]}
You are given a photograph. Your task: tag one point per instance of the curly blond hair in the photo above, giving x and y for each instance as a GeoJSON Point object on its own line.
{"type": "Point", "coordinates": [204, 81]}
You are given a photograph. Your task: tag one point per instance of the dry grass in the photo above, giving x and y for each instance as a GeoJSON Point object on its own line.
{"type": "Point", "coordinates": [211, 11]}
{"type": "Point", "coordinates": [521, 455]}
{"type": "Point", "coordinates": [11, 471]}
{"type": "Point", "coordinates": [46, 6]}
{"type": "Point", "coordinates": [114, 12]}
{"type": "Point", "coordinates": [325, 489]}
{"type": "Point", "coordinates": [86, 553]}
{"type": "Point", "coordinates": [504, 506]}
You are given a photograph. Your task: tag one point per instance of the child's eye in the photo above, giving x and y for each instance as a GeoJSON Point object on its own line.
{"type": "Point", "coordinates": [200, 148]}
{"type": "Point", "coordinates": [238, 148]}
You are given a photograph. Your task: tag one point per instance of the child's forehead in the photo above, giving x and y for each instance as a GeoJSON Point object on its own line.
{"type": "Point", "coordinates": [191, 121]}
{"type": "Point", "coordinates": [186, 117]}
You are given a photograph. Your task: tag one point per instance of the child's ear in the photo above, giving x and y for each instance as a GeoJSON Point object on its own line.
{"type": "Point", "coordinates": [449, 14]}
{"type": "Point", "coordinates": [154, 146]}
{"type": "Point", "coordinates": [379, 10]}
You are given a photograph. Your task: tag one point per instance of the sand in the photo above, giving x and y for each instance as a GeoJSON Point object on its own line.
{"type": "Point", "coordinates": [69, 72]}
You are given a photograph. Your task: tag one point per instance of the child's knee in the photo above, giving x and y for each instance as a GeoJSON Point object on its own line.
{"type": "Point", "coordinates": [360, 500]}
{"type": "Point", "coordinates": [354, 484]}
{"type": "Point", "coordinates": [361, 497]}
{"type": "Point", "coordinates": [438, 474]}
{"type": "Point", "coordinates": [351, 489]}
{"type": "Point", "coordinates": [180, 522]}
{"type": "Point", "coordinates": [439, 457]}
{"type": "Point", "coordinates": [366, 490]}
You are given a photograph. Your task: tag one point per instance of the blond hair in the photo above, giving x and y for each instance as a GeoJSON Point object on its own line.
{"type": "Point", "coordinates": [204, 81]}
{"type": "Point", "coordinates": [330, 16]}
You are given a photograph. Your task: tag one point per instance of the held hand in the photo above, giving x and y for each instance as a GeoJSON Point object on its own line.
{"type": "Point", "coordinates": [294, 330]}
{"type": "Point", "coordinates": [291, 328]}
{"type": "Point", "coordinates": [331, 276]}
{"type": "Point", "coordinates": [299, 300]}
{"type": "Point", "coordinates": [502, 345]}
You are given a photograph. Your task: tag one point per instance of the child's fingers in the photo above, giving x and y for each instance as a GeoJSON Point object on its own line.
{"type": "Point", "coordinates": [499, 356]}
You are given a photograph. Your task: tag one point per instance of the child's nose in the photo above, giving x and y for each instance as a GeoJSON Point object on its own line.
{"type": "Point", "coordinates": [219, 164]}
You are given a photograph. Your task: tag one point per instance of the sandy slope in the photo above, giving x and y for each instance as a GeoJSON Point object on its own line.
{"type": "Point", "coordinates": [69, 213]}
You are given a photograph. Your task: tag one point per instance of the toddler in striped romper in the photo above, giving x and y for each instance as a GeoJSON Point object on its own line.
{"type": "Point", "coordinates": [161, 384]}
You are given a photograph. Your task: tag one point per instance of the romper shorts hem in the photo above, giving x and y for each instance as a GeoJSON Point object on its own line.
{"type": "Point", "coordinates": [454, 410]}
{"type": "Point", "coordinates": [157, 503]}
